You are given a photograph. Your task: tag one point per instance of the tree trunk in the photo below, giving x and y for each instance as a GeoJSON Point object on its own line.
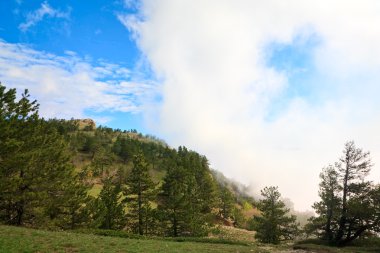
{"type": "Point", "coordinates": [328, 224]}
{"type": "Point", "coordinates": [175, 228]}
{"type": "Point", "coordinates": [343, 218]}
{"type": "Point", "coordinates": [141, 232]}
{"type": "Point", "coordinates": [330, 207]}
{"type": "Point", "coordinates": [19, 212]}
{"type": "Point", "coordinates": [351, 238]}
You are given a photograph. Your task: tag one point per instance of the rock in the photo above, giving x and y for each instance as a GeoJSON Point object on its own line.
{"type": "Point", "coordinates": [85, 124]}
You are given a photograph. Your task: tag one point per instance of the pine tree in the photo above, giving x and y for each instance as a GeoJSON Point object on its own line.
{"type": "Point", "coordinates": [225, 201]}
{"type": "Point", "coordinates": [173, 200]}
{"type": "Point", "coordinates": [349, 204]}
{"type": "Point", "coordinates": [328, 208]}
{"type": "Point", "coordinates": [76, 208]}
{"type": "Point", "coordinates": [109, 206]}
{"type": "Point", "coordinates": [35, 167]}
{"type": "Point", "coordinates": [187, 194]}
{"type": "Point", "coordinates": [274, 224]}
{"type": "Point", "coordinates": [140, 191]}
{"type": "Point", "coordinates": [354, 165]}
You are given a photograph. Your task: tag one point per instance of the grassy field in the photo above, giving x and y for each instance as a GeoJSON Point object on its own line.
{"type": "Point", "coordinates": [16, 239]}
{"type": "Point", "coordinates": [359, 246]}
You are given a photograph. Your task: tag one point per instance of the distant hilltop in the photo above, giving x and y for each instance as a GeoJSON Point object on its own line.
{"type": "Point", "coordinates": [85, 124]}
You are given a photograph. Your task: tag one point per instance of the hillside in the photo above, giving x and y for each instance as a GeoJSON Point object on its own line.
{"type": "Point", "coordinates": [70, 174]}
{"type": "Point", "coordinates": [101, 151]}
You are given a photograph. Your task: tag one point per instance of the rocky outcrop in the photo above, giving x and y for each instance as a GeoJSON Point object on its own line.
{"type": "Point", "coordinates": [85, 124]}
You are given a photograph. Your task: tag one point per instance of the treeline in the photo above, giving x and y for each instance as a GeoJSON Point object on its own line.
{"type": "Point", "coordinates": [48, 170]}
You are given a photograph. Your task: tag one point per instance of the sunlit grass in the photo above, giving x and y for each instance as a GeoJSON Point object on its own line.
{"type": "Point", "coordinates": [16, 239]}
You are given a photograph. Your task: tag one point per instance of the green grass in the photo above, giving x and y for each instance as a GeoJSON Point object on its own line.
{"type": "Point", "coordinates": [17, 239]}
{"type": "Point", "coordinates": [123, 234]}
{"type": "Point", "coordinates": [95, 190]}
{"type": "Point", "coordinates": [371, 245]}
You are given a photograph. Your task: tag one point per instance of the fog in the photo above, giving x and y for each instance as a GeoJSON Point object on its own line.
{"type": "Point", "coordinates": [259, 120]}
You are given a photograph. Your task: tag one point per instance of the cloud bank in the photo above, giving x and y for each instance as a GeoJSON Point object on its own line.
{"type": "Point", "coordinates": [220, 90]}
{"type": "Point", "coordinates": [70, 86]}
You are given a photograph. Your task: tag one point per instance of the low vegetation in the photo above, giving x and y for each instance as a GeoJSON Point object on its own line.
{"type": "Point", "coordinates": [368, 245]}
{"type": "Point", "coordinates": [16, 239]}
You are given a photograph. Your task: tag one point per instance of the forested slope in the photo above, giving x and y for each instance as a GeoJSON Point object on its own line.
{"type": "Point", "coordinates": [70, 174]}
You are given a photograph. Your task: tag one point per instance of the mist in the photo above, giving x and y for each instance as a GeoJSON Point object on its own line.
{"type": "Point", "coordinates": [226, 93]}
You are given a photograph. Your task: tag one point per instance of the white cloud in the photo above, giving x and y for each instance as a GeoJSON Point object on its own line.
{"type": "Point", "coordinates": [70, 86]}
{"type": "Point", "coordinates": [217, 88]}
{"type": "Point", "coordinates": [38, 15]}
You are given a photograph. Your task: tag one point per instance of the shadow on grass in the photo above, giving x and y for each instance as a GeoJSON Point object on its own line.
{"type": "Point", "coordinates": [123, 234]}
{"type": "Point", "coordinates": [367, 245]}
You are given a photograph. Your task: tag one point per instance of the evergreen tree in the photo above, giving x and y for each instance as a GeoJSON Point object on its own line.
{"type": "Point", "coordinates": [328, 208]}
{"type": "Point", "coordinates": [173, 200]}
{"type": "Point", "coordinates": [35, 167]}
{"type": "Point", "coordinates": [354, 165]}
{"type": "Point", "coordinates": [91, 145]}
{"type": "Point", "coordinates": [188, 193]}
{"type": "Point", "coordinates": [109, 206]}
{"type": "Point", "coordinates": [349, 204]}
{"type": "Point", "coordinates": [274, 224]}
{"type": "Point", "coordinates": [140, 191]}
{"type": "Point", "coordinates": [225, 201]}
{"type": "Point", "coordinates": [101, 161]}
{"type": "Point", "coordinates": [73, 209]}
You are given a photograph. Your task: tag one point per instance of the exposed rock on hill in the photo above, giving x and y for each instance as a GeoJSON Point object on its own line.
{"type": "Point", "coordinates": [85, 124]}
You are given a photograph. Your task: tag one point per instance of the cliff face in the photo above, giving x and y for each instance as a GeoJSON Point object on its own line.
{"type": "Point", "coordinates": [85, 124]}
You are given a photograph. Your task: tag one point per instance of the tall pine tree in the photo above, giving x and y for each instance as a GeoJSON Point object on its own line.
{"type": "Point", "coordinates": [140, 191]}
{"type": "Point", "coordinates": [188, 194]}
{"type": "Point", "coordinates": [109, 206]}
{"type": "Point", "coordinates": [328, 208]}
{"type": "Point", "coordinates": [349, 203]}
{"type": "Point", "coordinates": [172, 200]}
{"type": "Point", "coordinates": [35, 167]}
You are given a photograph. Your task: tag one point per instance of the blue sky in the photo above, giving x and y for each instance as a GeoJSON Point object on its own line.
{"type": "Point", "coordinates": [269, 91]}
{"type": "Point", "coordinates": [87, 29]}
{"type": "Point", "coordinates": [296, 60]}
{"type": "Point", "coordinates": [94, 31]}
{"type": "Point", "coordinates": [91, 31]}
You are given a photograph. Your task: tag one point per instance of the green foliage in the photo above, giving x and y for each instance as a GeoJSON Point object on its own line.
{"type": "Point", "coordinates": [35, 169]}
{"type": "Point", "coordinates": [238, 217]}
{"type": "Point", "coordinates": [108, 207]}
{"type": "Point", "coordinates": [76, 209]}
{"type": "Point", "coordinates": [188, 194]}
{"type": "Point", "coordinates": [274, 224]}
{"type": "Point", "coordinates": [140, 191]}
{"type": "Point", "coordinates": [173, 200]}
{"type": "Point", "coordinates": [49, 168]}
{"type": "Point", "coordinates": [328, 208]}
{"type": "Point", "coordinates": [350, 205]}
{"type": "Point", "coordinates": [101, 161]}
{"type": "Point", "coordinates": [226, 201]}
{"type": "Point", "coordinates": [64, 127]}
